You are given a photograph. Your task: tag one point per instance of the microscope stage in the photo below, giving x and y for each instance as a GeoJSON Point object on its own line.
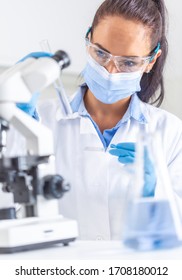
{"type": "Point", "coordinates": [35, 233]}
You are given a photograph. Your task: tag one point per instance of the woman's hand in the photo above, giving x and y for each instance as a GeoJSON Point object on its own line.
{"type": "Point", "coordinates": [126, 154]}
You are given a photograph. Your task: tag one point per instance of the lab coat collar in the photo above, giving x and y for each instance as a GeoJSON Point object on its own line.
{"type": "Point", "coordinates": [78, 107]}
{"type": "Point", "coordinates": [136, 110]}
{"type": "Point", "coordinates": [77, 103]}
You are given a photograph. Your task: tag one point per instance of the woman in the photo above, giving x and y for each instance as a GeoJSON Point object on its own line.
{"type": "Point", "coordinates": [127, 48]}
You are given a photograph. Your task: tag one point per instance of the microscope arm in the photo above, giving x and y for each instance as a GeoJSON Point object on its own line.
{"type": "Point", "coordinates": [39, 139]}
{"type": "Point", "coordinates": [16, 85]}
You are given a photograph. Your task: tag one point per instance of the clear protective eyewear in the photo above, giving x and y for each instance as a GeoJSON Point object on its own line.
{"type": "Point", "coordinates": [122, 63]}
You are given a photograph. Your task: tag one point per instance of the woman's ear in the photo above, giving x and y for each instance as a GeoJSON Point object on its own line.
{"type": "Point", "coordinates": [151, 64]}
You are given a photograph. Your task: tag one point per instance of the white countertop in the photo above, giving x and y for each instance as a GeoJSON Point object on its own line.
{"type": "Point", "coordinates": [92, 250]}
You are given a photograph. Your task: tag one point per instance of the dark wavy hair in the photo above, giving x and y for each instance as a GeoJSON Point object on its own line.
{"type": "Point", "coordinates": [151, 13]}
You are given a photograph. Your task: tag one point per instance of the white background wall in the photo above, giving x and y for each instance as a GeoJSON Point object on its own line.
{"type": "Point", "coordinates": [25, 23]}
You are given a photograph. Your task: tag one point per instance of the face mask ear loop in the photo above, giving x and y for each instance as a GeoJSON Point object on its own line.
{"type": "Point", "coordinates": [155, 51]}
{"type": "Point", "coordinates": [88, 32]}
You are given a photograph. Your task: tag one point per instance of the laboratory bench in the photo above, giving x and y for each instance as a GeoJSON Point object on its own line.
{"type": "Point", "coordinates": [93, 250]}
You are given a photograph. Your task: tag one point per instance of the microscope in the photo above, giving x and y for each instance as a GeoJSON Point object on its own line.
{"type": "Point", "coordinates": [30, 179]}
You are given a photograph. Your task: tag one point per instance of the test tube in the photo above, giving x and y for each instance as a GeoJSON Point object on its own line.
{"type": "Point", "coordinates": [45, 47]}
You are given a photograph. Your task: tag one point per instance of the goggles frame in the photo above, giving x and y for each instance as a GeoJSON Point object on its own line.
{"type": "Point", "coordinates": [142, 60]}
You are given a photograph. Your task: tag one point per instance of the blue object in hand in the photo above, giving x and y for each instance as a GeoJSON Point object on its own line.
{"type": "Point", "coordinates": [30, 108]}
{"type": "Point", "coordinates": [126, 154]}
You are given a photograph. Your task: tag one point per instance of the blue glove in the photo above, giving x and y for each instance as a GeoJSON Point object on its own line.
{"type": "Point", "coordinates": [126, 154]}
{"type": "Point", "coordinates": [30, 108]}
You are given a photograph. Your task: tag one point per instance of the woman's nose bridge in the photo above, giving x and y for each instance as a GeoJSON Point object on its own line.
{"type": "Point", "coordinates": [111, 66]}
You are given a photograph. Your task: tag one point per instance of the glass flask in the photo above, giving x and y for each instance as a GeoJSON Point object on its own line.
{"type": "Point", "coordinates": [153, 221]}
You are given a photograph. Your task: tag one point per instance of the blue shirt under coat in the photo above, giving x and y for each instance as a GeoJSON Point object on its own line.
{"type": "Point", "coordinates": [134, 111]}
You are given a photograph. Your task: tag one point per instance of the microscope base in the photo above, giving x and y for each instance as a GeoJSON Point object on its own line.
{"type": "Point", "coordinates": [36, 233]}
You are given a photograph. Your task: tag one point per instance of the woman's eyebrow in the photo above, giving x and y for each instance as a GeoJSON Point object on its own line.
{"type": "Point", "coordinates": [101, 47]}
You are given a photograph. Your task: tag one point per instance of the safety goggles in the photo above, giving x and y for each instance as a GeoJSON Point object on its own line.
{"type": "Point", "coordinates": [122, 63]}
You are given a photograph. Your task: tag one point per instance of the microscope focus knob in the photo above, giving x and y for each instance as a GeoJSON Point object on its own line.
{"type": "Point", "coordinates": [54, 186]}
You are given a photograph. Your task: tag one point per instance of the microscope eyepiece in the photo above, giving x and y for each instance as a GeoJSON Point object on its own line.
{"type": "Point", "coordinates": [62, 58]}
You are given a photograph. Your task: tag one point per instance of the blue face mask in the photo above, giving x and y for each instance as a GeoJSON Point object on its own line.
{"type": "Point", "coordinates": [110, 87]}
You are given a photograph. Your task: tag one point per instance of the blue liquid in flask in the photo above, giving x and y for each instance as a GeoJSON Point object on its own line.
{"type": "Point", "coordinates": [149, 225]}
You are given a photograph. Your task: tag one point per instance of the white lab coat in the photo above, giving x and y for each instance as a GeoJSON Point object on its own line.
{"type": "Point", "coordinates": [98, 183]}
